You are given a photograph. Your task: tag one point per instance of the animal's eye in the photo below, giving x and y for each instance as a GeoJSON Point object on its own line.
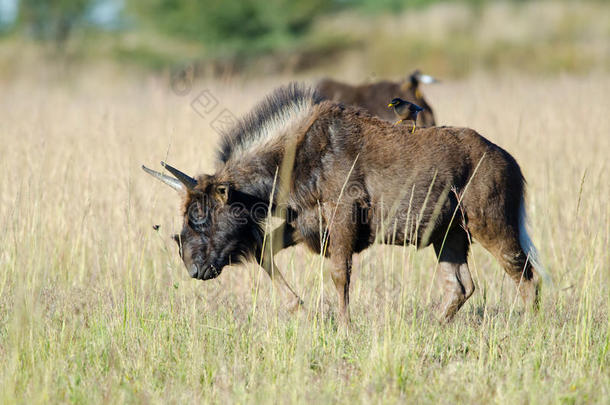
{"type": "Point", "coordinates": [222, 192]}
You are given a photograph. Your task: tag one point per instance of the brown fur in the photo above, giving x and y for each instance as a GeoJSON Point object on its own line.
{"type": "Point", "coordinates": [375, 97]}
{"type": "Point", "coordinates": [360, 179]}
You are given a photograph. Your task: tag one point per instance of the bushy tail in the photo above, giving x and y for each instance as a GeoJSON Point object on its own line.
{"type": "Point", "coordinates": [528, 247]}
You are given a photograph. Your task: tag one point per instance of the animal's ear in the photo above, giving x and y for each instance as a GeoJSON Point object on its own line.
{"type": "Point", "coordinates": [221, 192]}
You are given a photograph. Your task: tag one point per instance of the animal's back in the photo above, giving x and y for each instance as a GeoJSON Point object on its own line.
{"type": "Point", "coordinates": [374, 97]}
{"type": "Point", "coordinates": [405, 172]}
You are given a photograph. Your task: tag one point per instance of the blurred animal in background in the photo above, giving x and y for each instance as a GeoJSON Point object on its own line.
{"type": "Point", "coordinates": [374, 97]}
{"type": "Point", "coordinates": [405, 111]}
{"type": "Point", "coordinates": [341, 179]}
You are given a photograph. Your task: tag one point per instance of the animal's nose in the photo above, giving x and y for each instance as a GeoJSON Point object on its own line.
{"type": "Point", "coordinates": [193, 271]}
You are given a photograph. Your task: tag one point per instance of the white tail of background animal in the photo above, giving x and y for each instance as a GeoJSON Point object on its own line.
{"type": "Point", "coordinates": [528, 246]}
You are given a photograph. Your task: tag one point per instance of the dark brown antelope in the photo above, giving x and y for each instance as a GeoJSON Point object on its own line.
{"type": "Point", "coordinates": [374, 97]}
{"type": "Point", "coordinates": [341, 179]}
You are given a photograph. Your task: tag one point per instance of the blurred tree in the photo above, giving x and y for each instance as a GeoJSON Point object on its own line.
{"type": "Point", "coordinates": [8, 14]}
{"type": "Point", "coordinates": [232, 26]}
{"type": "Point", "coordinates": [52, 19]}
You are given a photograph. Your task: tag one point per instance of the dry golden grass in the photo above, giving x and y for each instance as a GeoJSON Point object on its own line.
{"type": "Point", "coordinates": [95, 306]}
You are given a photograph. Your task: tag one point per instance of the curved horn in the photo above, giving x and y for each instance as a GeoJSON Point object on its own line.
{"type": "Point", "coordinates": [185, 179]}
{"type": "Point", "coordinates": [170, 181]}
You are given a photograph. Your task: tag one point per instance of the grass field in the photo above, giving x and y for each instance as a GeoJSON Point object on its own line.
{"type": "Point", "coordinates": [96, 306]}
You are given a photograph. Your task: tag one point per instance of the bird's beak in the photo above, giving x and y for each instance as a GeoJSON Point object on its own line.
{"type": "Point", "coordinates": [390, 105]}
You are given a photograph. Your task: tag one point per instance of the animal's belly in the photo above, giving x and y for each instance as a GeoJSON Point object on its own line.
{"type": "Point", "coordinates": [410, 226]}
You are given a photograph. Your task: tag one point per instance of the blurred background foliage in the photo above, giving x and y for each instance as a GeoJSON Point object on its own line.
{"type": "Point", "coordinates": [241, 27]}
{"type": "Point", "coordinates": [383, 37]}
{"type": "Point", "coordinates": [51, 20]}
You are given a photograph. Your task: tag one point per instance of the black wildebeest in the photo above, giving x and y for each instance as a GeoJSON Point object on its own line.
{"type": "Point", "coordinates": [342, 179]}
{"type": "Point", "coordinates": [374, 97]}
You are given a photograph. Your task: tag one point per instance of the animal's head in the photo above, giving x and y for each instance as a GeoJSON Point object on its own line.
{"type": "Point", "coordinates": [220, 225]}
{"type": "Point", "coordinates": [418, 77]}
{"type": "Point", "coordinates": [395, 102]}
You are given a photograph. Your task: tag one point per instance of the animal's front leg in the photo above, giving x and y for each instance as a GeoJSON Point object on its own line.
{"type": "Point", "coordinates": [280, 238]}
{"type": "Point", "coordinates": [293, 301]}
{"type": "Point", "coordinates": [340, 248]}
{"type": "Point", "coordinates": [340, 272]}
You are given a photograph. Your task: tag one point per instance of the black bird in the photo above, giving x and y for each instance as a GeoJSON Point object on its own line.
{"type": "Point", "coordinates": [405, 111]}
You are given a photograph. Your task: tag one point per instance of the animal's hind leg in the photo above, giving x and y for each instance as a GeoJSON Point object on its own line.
{"type": "Point", "coordinates": [454, 275]}
{"type": "Point", "coordinates": [517, 265]}
{"type": "Point", "coordinates": [503, 243]}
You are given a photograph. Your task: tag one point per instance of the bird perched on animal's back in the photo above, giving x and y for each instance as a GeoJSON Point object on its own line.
{"type": "Point", "coordinates": [405, 111]}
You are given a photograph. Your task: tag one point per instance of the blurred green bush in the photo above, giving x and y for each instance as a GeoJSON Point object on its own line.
{"type": "Point", "coordinates": [228, 27]}
{"type": "Point", "coordinates": [51, 19]}
{"type": "Point", "coordinates": [447, 37]}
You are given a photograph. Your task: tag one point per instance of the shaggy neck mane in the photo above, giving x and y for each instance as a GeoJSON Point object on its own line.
{"type": "Point", "coordinates": [268, 122]}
